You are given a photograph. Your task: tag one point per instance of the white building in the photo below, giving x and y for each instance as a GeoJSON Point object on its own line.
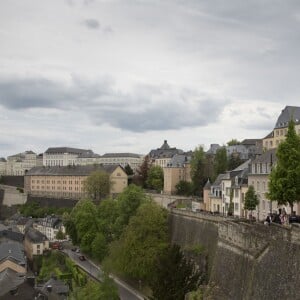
{"type": "Point", "coordinates": [2, 166]}
{"type": "Point", "coordinates": [50, 226]}
{"type": "Point", "coordinates": [122, 159]}
{"type": "Point", "coordinates": [62, 156]}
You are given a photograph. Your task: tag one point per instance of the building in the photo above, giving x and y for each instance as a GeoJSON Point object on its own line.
{"type": "Point", "coordinates": [214, 202]}
{"type": "Point", "coordinates": [279, 132]}
{"type": "Point", "coordinates": [12, 257]}
{"type": "Point", "coordinates": [53, 289]}
{"type": "Point", "coordinates": [87, 158]}
{"type": "Point", "coordinates": [178, 169]}
{"type": "Point", "coordinates": [162, 156]}
{"type": "Point", "coordinates": [62, 156]}
{"type": "Point", "coordinates": [19, 164]}
{"type": "Point", "coordinates": [35, 243]}
{"type": "Point", "coordinates": [234, 185]}
{"type": "Point", "coordinates": [68, 182]}
{"type": "Point", "coordinates": [206, 194]}
{"type": "Point", "coordinates": [122, 159]}
{"type": "Point", "coordinates": [2, 166]}
{"type": "Point", "coordinates": [50, 226]}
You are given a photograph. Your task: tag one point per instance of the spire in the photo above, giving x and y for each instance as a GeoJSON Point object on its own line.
{"type": "Point", "coordinates": [165, 145]}
{"type": "Point", "coordinates": [207, 185]}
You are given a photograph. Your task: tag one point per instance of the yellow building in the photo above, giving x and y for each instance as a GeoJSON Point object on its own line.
{"type": "Point", "coordinates": [68, 182]}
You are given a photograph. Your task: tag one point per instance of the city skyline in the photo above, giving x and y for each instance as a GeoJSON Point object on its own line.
{"type": "Point", "coordinates": [123, 76]}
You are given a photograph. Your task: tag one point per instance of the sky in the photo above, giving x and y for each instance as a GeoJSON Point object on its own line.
{"type": "Point", "coordinates": [125, 75]}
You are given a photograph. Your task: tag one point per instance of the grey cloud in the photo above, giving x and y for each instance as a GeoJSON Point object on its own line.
{"type": "Point", "coordinates": [92, 23]}
{"type": "Point", "coordinates": [145, 108]}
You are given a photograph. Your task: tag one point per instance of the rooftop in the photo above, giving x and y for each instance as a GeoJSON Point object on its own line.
{"type": "Point", "coordinates": [61, 150]}
{"type": "Point", "coordinates": [286, 115]}
{"type": "Point", "coordinates": [13, 250]}
{"type": "Point", "coordinates": [132, 155]}
{"type": "Point", "coordinates": [35, 236]}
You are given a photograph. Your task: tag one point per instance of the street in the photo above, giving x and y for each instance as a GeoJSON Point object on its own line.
{"type": "Point", "coordinates": [125, 291]}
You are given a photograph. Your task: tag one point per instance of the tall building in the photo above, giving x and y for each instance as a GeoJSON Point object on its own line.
{"type": "Point", "coordinates": [19, 164]}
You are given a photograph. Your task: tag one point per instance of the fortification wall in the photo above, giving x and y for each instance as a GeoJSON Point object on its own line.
{"type": "Point", "coordinates": [247, 261]}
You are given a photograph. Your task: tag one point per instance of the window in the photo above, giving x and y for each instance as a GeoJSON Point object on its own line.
{"type": "Point", "coordinates": [236, 193]}
{"type": "Point", "coordinates": [258, 186]}
{"type": "Point", "coordinates": [236, 206]}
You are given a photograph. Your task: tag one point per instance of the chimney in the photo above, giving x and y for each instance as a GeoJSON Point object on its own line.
{"type": "Point", "coordinates": [49, 288]}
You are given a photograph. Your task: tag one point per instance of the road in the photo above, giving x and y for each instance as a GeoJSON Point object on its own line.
{"type": "Point", "coordinates": [125, 291]}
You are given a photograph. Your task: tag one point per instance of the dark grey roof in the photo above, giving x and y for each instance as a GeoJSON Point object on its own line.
{"type": "Point", "coordinates": [89, 154]}
{"type": "Point", "coordinates": [57, 286]}
{"type": "Point", "coordinates": [133, 155]}
{"type": "Point", "coordinates": [267, 157]}
{"type": "Point", "coordinates": [178, 160]}
{"type": "Point", "coordinates": [250, 142]}
{"type": "Point", "coordinates": [70, 170]}
{"type": "Point", "coordinates": [207, 185]}
{"type": "Point", "coordinates": [61, 150]}
{"type": "Point", "coordinates": [270, 135]}
{"type": "Point", "coordinates": [29, 152]}
{"type": "Point", "coordinates": [2, 159]}
{"type": "Point", "coordinates": [213, 149]}
{"type": "Point", "coordinates": [50, 221]}
{"type": "Point", "coordinates": [165, 145]}
{"type": "Point", "coordinates": [9, 280]}
{"type": "Point", "coordinates": [35, 236]}
{"type": "Point", "coordinates": [10, 233]}
{"type": "Point", "coordinates": [219, 179]}
{"type": "Point", "coordinates": [286, 115]}
{"type": "Point", "coordinates": [14, 251]}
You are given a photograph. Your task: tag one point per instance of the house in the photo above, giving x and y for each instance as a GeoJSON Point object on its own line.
{"type": "Point", "coordinates": [178, 169]}
{"type": "Point", "coordinates": [214, 201]}
{"type": "Point", "coordinates": [68, 181]}
{"type": "Point", "coordinates": [206, 195]}
{"type": "Point", "coordinates": [279, 132]}
{"type": "Point", "coordinates": [234, 186]}
{"type": "Point", "coordinates": [35, 243]}
{"type": "Point", "coordinates": [50, 226]}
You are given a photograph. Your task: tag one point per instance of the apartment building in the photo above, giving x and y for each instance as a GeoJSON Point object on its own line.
{"type": "Point", "coordinates": [35, 243]}
{"type": "Point", "coordinates": [50, 226]}
{"type": "Point", "coordinates": [68, 182]}
{"type": "Point", "coordinates": [2, 166]}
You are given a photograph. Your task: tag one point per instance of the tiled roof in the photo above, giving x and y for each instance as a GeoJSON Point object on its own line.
{"type": "Point", "coordinates": [249, 142]}
{"type": "Point", "coordinates": [9, 280]}
{"type": "Point", "coordinates": [70, 170]}
{"type": "Point", "coordinates": [267, 157]}
{"type": "Point", "coordinates": [57, 287]}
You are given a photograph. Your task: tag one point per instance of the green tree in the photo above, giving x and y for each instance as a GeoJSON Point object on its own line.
{"type": "Point", "coordinates": [184, 188]}
{"type": "Point", "coordinates": [60, 235]}
{"type": "Point", "coordinates": [143, 240]}
{"type": "Point", "coordinates": [251, 199]}
{"type": "Point", "coordinates": [231, 207]}
{"type": "Point", "coordinates": [220, 162]}
{"type": "Point", "coordinates": [233, 142]}
{"type": "Point", "coordinates": [105, 290]}
{"type": "Point", "coordinates": [128, 170]}
{"type": "Point", "coordinates": [97, 185]}
{"type": "Point", "coordinates": [142, 172]}
{"type": "Point", "coordinates": [174, 275]}
{"type": "Point", "coordinates": [156, 178]}
{"type": "Point", "coordinates": [198, 170]}
{"type": "Point", "coordinates": [284, 184]}
{"type": "Point", "coordinates": [234, 161]}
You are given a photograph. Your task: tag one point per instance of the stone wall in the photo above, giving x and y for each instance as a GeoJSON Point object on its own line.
{"type": "Point", "coordinates": [246, 261]}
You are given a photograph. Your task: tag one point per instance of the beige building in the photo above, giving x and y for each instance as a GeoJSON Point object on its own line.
{"type": "Point", "coordinates": [68, 182]}
{"type": "Point", "coordinates": [2, 166]}
{"type": "Point", "coordinates": [279, 132]}
{"type": "Point", "coordinates": [35, 243]}
{"type": "Point", "coordinates": [178, 169]}
{"type": "Point", "coordinates": [19, 164]}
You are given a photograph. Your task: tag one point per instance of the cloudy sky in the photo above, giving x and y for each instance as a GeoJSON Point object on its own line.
{"type": "Point", "coordinates": [122, 76]}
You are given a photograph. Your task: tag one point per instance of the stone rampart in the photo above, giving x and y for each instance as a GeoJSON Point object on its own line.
{"type": "Point", "coordinates": [246, 260]}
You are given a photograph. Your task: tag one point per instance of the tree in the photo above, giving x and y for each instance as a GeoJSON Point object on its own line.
{"type": "Point", "coordinates": [142, 172]}
{"type": "Point", "coordinates": [60, 235]}
{"type": "Point", "coordinates": [128, 170]}
{"type": "Point", "coordinates": [174, 275]}
{"type": "Point", "coordinates": [156, 178]}
{"type": "Point", "coordinates": [251, 199]}
{"type": "Point", "coordinates": [230, 207]}
{"type": "Point", "coordinates": [220, 162]}
{"type": "Point", "coordinates": [284, 184]}
{"type": "Point", "coordinates": [233, 142]}
{"type": "Point", "coordinates": [234, 161]}
{"type": "Point", "coordinates": [198, 170]}
{"type": "Point", "coordinates": [143, 240]}
{"type": "Point", "coordinates": [97, 185]}
{"type": "Point", "coordinates": [184, 188]}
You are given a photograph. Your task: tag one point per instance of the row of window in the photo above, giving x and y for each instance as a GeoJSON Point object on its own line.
{"type": "Point", "coordinates": [76, 188]}
{"type": "Point", "coordinates": [57, 182]}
